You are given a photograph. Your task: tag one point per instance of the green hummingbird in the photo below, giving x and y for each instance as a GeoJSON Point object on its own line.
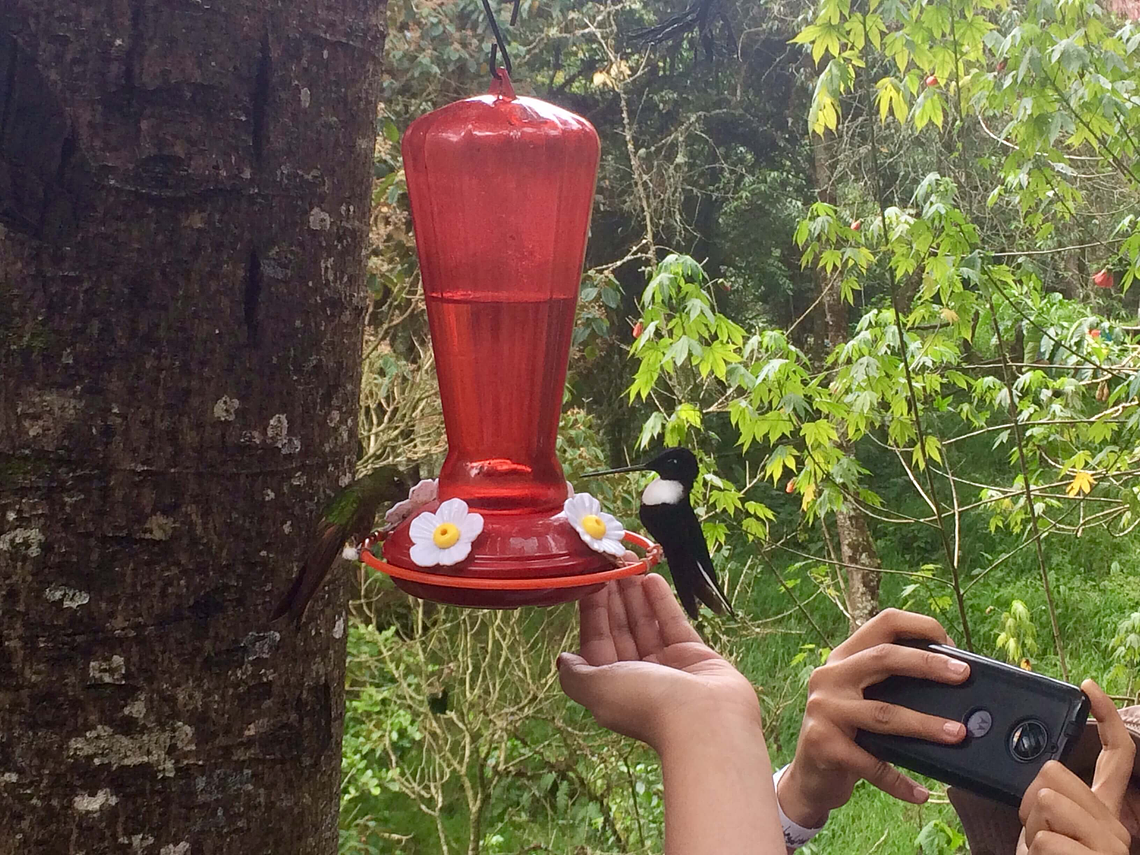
{"type": "Point", "coordinates": [350, 515]}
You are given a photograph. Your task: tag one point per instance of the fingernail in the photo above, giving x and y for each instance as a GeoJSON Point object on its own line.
{"type": "Point", "coordinates": [953, 728]}
{"type": "Point", "coordinates": [957, 666]}
{"type": "Point", "coordinates": [561, 658]}
{"type": "Point", "coordinates": [921, 794]}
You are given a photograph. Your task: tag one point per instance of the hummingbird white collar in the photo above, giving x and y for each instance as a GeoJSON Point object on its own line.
{"type": "Point", "coordinates": [662, 491]}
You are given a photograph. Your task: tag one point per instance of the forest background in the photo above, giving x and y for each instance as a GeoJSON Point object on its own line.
{"type": "Point", "coordinates": [872, 261]}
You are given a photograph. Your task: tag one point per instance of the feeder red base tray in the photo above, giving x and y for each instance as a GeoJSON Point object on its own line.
{"type": "Point", "coordinates": [452, 586]}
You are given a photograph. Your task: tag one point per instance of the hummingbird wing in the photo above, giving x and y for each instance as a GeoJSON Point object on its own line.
{"type": "Point", "coordinates": [707, 587]}
{"type": "Point", "coordinates": [350, 514]}
{"type": "Point", "coordinates": [679, 532]}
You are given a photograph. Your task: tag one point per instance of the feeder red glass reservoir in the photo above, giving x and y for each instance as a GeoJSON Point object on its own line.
{"type": "Point", "coordinates": [501, 190]}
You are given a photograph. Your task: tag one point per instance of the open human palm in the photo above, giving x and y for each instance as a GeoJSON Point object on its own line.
{"type": "Point", "coordinates": [642, 670]}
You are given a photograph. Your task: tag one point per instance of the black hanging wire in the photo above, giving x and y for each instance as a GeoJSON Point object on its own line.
{"type": "Point", "coordinates": [500, 45]}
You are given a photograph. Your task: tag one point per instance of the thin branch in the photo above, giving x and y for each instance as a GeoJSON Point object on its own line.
{"type": "Point", "coordinates": [1036, 530]}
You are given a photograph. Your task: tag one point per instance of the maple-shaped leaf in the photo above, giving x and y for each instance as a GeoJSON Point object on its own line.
{"type": "Point", "coordinates": [1081, 485]}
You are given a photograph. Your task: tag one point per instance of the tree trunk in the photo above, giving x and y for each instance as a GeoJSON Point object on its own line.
{"type": "Point", "coordinates": [857, 549]}
{"type": "Point", "coordinates": [856, 546]}
{"type": "Point", "coordinates": [184, 190]}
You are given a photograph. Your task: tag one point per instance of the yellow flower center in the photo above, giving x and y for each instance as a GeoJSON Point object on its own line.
{"type": "Point", "coordinates": [445, 535]}
{"type": "Point", "coordinates": [593, 526]}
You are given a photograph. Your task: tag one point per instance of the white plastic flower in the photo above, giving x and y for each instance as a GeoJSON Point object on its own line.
{"type": "Point", "coordinates": [424, 492]}
{"type": "Point", "coordinates": [599, 531]}
{"type": "Point", "coordinates": [350, 553]}
{"type": "Point", "coordinates": [444, 537]}
{"type": "Point", "coordinates": [569, 490]}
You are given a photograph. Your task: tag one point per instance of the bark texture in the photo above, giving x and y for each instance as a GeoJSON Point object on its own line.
{"type": "Point", "coordinates": [184, 190]}
{"type": "Point", "coordinates": [856, 546]}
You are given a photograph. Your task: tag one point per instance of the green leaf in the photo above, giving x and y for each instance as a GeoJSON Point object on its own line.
{"type": "Point", "coordinates": [890, 99]}
{"type": "Point", "coordinates": [391, 132]}
{"type": "Point", "coordinates": [651, 429]}
{"type": "Point", "coordinates": [782, 457]}
{"type": "Point", "coordinates": [819, 433]}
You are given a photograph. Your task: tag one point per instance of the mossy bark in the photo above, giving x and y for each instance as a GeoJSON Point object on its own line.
{"type": "Point", "coordinates": [184, 195]}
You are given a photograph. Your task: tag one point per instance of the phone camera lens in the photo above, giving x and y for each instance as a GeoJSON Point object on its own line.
{"type": "Point", "coordinates": [1029, 740]}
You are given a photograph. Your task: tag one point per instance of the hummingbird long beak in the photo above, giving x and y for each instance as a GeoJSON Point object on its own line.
{"type": "Point", "coordinates": [637, 467]}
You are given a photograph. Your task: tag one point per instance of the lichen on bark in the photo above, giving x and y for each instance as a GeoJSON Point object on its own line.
{"type": "Point", "coordinates": [163, 298]}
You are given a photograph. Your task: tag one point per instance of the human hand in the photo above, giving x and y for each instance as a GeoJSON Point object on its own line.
{"type": "Point", "coordinates": [643, 671]}
{"type": "Point", "coordinates": [828, 763]}
{"type": "Point", "coordinates": [1061, 815]}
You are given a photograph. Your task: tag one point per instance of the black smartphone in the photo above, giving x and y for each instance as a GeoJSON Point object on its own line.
{"type": "Point", "coordinates": [1016, 721]}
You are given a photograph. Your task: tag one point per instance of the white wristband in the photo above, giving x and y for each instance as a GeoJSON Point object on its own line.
{"type": "Point", "coordinates": [795, 835]}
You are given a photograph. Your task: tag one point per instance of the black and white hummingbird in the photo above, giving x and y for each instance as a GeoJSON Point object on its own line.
{"type": "Point", "coordinates": [669, 518]}
{"type": "Point", "coordinates": [348, 516]}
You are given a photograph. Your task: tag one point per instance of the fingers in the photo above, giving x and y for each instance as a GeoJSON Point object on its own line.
{"type": "Point", "coordinates": [875, 664]}
{"type": "Point", "coordinates": [595, 641]}
{"type": "Point", "coordinates": [642, 620]}
{"type": "Point", "coordinates": [887, 778]}
{"type": "Point", "coordinates": [675, 627]}
{"type": "Point", "coordinates": [1118, 751]}
{"type": "Point", "coordinates": [891, 625]}
{"type": "Point", "coordinates": [881, 717]}
{"type": "Point", "coordinates": [624, 645]}
{"type": "Point", "coordinates": [1052, 843]}
{"type": "Point", "coordinates": [1057, 798]}
{"type": "Point", "coordinates": [1056, 812]}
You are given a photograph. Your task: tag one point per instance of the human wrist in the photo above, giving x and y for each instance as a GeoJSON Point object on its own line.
{"type": "Point", "coordinates": [729, 720]}
{"type": "Point", "coordinates": [717, 779]}
{"type": "Point", "coordinates": [797, 801]}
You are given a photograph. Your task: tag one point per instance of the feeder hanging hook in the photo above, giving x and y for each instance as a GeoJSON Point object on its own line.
{"type": "Point", "coordinates": [500, 44]}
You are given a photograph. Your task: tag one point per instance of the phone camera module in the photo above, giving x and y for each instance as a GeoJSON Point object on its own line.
{"type": "Point", "coordinates": [1029, 740]}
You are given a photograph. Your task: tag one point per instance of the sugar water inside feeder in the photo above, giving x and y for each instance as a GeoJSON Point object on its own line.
{"type": "Point", "coordinates": [502, 376]}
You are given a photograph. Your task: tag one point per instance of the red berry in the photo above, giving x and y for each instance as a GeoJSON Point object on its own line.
{"type": "Point", "coordinates": [1103, 279]}
{"type": "Point", "coordinates": [637, 330]}
{"type": "Point", "coordinates": [1094, 333]}
{"type": "Point", "coordinates": [855, 226]}
{"type": "Point", "coordinates": [791, 488]}
{"type": "Point", "coordinates": [1001, 66]}
{"type": "Point", "coordinates": [932, 80]}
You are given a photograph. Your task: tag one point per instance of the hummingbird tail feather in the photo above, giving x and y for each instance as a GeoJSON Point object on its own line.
{"type": "Point", "coordinates": [285, 605]}
{"type": "Point", "coordinates": [711, 594]}
{"type": "Point", "coordinates": [312, 574]}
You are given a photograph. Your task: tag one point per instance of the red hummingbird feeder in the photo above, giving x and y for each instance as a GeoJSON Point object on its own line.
{"type": "Point", "coordinates": [501, 189]}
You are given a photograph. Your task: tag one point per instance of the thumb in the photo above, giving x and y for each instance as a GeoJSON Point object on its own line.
{"type": "Point", "coordinates": [612, 693]}
{"type": "Point", "coordinates": [577, 678]}
{"type": "Point", "coordinates": [1114, 765]}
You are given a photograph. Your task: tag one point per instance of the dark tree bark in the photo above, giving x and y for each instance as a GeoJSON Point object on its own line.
{"type": "Point", "coordinates": [856, 546]}
{"type": "Point", "coordinates": [184, 190]}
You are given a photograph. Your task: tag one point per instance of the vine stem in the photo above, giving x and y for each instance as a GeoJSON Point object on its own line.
{"type": "Point", "coordinates": [1028, 490]}
{"type": "Point", "coordinates": [912, 397]}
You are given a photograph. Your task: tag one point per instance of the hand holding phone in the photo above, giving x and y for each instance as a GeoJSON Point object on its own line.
{"type": "Point", "coordinates": [1016, 721]}
{"type": "Point", "coordinates": [1061, 813]}
{"type": "Point", "coordinates": [828, 762]}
